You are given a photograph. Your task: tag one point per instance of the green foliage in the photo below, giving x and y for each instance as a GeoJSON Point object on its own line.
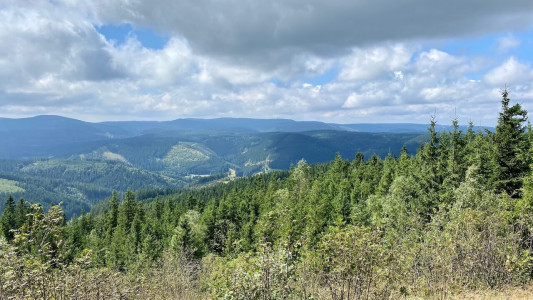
{"type": "Point", "coordinates": [8, 222]}
{"type": "Point", "coordinates": [511, 144]}
{"type": "Point", "coordinates": [79, 184]}
{"type": "Point", "coordinates": [348, 261]}
{"type": "Point", "coordinates": [268, 274]}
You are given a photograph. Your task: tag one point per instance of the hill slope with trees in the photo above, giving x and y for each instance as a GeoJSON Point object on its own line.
{"type": "Point", "coordinates": [175, 160]}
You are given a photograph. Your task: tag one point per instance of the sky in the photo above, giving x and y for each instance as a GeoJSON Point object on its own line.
{"type": "Point", "coordinates": [340, 61]}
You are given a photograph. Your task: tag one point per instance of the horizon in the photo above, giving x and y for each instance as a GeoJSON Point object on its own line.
{"type": "Point", "coordinates": [333, 62]}
{"type": "Point", "coordinates": [243, 118]}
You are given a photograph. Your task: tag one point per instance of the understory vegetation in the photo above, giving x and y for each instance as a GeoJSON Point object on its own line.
{"type": "Point", "coordinates": [454, 217]}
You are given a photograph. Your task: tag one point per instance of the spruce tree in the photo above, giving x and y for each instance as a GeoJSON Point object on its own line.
{"type": "Point", "coordinates": [8, 221]}
{"type": "Point", "coordinates": [22, 211]}
{"type": "Point", "coordinates": [127, 211]}
{"type": "Point", "coordinates": [112, 216]}
{"type": "Point", "coordinates": [511, 143]}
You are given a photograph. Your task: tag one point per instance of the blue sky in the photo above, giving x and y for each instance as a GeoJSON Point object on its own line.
{"type": "Point", "coordinates": [490, 46]}
{"type": "Point", "coordinates": [335, 61]}
{"type": "Point", "coordinates": [119, 34]}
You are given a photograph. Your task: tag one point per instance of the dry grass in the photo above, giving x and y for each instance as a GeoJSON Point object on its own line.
{"type": "Point", "coordinates": [508, 293]}
{"type": "Point", "coordinates": [514, 293]}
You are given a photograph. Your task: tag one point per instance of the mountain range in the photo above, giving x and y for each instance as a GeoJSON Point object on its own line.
{"type": "Point", "coordinates": [50, 159]}
{"type": "Point", "coordinates": [54, 136]}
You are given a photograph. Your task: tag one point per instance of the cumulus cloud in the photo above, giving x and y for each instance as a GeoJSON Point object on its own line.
{"type": "Point", "coordinates": [336, 61]}
{"type": "Point", "coordinates": [41, 44]}
{"type": "Point", "coordinates": [511, 71]}
{"type": "Point", "coordinates": [366, 63]}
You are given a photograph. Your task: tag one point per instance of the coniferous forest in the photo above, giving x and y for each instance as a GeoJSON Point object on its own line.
{"type": "Point", "coordinates": [454, 217]}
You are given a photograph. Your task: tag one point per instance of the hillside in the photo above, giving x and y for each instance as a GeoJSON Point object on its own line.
{"type": "Point", "coordinates": [77, 184]}
{"type": "Point", "coordinates": [77, 163]}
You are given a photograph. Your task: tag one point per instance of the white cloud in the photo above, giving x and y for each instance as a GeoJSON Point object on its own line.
{"type": "Point", "coordinates": [368, 63]}
{"type": "Point", "coordinates": [510, 72]}
{"type": "Point", "coordinates": [438, 64]}
{"type": "Point", "coordinates": [431, 93]}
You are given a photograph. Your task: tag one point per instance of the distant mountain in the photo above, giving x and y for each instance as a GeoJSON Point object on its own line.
{"type": "Point", "coordinates": [403, 127]}
{"type": "Point", "coordinates": [55, 136]}
{"type": "Point", "coordinates": [222, 124]}
{"type": "Point", "coordinates": [267, 125]}
{"type": "Point", "coordinates": [45, 136]}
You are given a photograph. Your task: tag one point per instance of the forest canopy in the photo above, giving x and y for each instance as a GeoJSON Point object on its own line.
{"type": "Point", "coordinates": [456, 215]}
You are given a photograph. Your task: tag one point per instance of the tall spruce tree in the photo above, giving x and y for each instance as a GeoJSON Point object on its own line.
{"type": "Point", "coordinates": [8, 222]}
{"type": "Point", "coordinates": [112, 216]}
{"type": "Point", "coordinates": [511, 143]}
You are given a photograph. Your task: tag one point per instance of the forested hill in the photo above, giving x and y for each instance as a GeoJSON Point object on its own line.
{"type": "Point", "coordinates": [64, 160]}
{"type": "Point", "coordinates": [152, 161]}
{"type": "Point", "coordinates": [455, 216]}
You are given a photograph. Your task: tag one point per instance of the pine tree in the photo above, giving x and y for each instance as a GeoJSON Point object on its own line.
{"type": "Point", "coordinates": [22, 211]}
{"type": "Point", "coordinates": [430, 168]}
{"type": "Point", "coordinates": [511, 143]}
{"type": "Point", "coordinates": [8, 222]}
{"type": "Point", "coordinates": [127, 211]}
{"type": "Point", "coordinates": [388, 174]}
{"type": "Point", "coordinates": [112, 217]}
{"type": "Point", "coordinates": [113, 213]}
{"type": "Point", "coordinates": [454, 162]}
{"type": "Point", "coordinates": [456, 155]}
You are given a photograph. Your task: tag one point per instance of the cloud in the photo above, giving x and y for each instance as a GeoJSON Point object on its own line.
{"type": "Point", "coordinates": [507, 43]}
{"type": "Point", "coordinates": [510, 72]}
{"type": "Point", "coordinates": [335, 61]}
{"type": "Point", "coordinates": [268, 31]}
{"type": "Point", "coordinates": [42, 45]}
{"type": "Point", "coordinates": [367, 63]}
{"type": "Point", "coordinates": [432, 81]}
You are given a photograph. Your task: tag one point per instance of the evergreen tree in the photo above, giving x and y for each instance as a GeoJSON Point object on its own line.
{"type": "Point", "coordinates": [22, 211]}
{"type": "Point", "coordinates": [118, 251]}
{"type": "Point", "coordinates": [127, 211]}
{"type": "Point", "coordinates": [112, 218]}
{"type": "Point", "coordinates": [511, 144]}
{"type": "Point", "coordinates": [8, 222]}
{"type": "Point", "coordinates": [454, 162]}
{"type": "Point", "coordinates": [113, 212]}
{"type": "Point", "coordinates": [404, 163]}
{"type": "Point", "coordinates": [388, 174]}
{"type": "Point", "coordinates": [135, 236]}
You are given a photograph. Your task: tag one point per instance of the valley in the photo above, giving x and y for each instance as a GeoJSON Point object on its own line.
{"type": "Point", "coordinates": [78, 163]}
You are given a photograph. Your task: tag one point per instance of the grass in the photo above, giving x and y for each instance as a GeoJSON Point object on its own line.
{"type": "Point", "coordinates": [504, 293]}
{"type": "Point", "coordinates": [508, 293]}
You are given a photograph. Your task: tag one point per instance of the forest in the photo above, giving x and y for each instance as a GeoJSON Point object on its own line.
{"type": "Point", "coordinates": [454, 217]}
{"type": "Point", "coordinates": [82, 173]}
